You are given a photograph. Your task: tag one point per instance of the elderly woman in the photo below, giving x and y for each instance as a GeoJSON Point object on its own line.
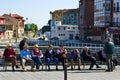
{"type": "Point", "coordinates": [37, 56]}
{"type": "Point", "coordinates": [62, 54]}
{"type": "Point", "coordinates": [75, 57]}
{"type": "Point", "coordinates": [9, 55]}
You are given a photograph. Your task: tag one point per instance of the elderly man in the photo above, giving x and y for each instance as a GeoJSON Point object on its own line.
{"type": "Point", "coordinates": [109, 50]}
{"type": "Point", "coordinates": [26, 57]}
{"type": "Point", "coordinates": [50, 55]}
{"type": "Point", "coordinates": [86, 55]}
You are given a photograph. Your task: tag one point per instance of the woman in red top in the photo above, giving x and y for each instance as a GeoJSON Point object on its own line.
{"type": "Point", "coordinates": [9, 55]}
{"type": "Point", "coordinates": [37, 56]}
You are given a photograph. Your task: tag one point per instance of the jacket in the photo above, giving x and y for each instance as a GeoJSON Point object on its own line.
{"type": "Point", "coordinates": [109, 48]}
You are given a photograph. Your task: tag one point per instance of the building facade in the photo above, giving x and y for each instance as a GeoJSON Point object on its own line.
{"type": "Point", "coordinates": [11, 25]}
{"type": "Point", "coordinates": [99, 19]}
{"type": "Point", "coordinates": [65, 32]}
{"type": "Point", "coordinates": [66, 16]}
{"type": "Point", "coordinates": [2, 27]}
{"type": "Point", "coordinates": [107, 18]}
{"type": "Point", "coordinates": [86, 20]}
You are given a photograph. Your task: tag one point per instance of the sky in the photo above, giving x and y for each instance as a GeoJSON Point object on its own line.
{"type": "Point", "coordinates": [37, 11]}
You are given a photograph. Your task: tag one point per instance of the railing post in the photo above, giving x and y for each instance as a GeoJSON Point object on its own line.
{"type": "Point", "coordinates": [65, 69]}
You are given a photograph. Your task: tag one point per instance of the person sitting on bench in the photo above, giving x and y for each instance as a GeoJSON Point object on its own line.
{"type": "Point", "coordinates": [10, 56]}
{"type": "Point", "coordinates": [86, 55]}
{"type": "Point", "coordinates": [50, 55]}
{"type": "Point", "coordinates": [37, 56]}
{"type": "Point", "coordinates": [101, 55]}
{"type": "Point", "coordinates": [75, 56]}
{"type": "Point", "coordinates": [26, 57]}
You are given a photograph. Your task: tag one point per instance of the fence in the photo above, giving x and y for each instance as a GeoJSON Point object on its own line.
{"type": "Point", "coordinates": [69, 43]}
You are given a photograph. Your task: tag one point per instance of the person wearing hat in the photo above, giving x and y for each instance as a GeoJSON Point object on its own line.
{"type": "Point", "coordinates": [9, 55]}
{"type": "Point", "coordinates": [26, 57]}
{"type": "Point", "coordinates": [37, 56]}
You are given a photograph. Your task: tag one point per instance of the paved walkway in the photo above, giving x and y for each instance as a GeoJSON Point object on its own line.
{"type": "Point", "coordinates": [96, 74]}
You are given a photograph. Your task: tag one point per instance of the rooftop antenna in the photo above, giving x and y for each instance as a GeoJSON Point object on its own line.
{"type": "Point", "coordinates": [9, 11]}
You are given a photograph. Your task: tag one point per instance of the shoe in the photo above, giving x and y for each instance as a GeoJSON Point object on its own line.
{"type": "Point", "coordinates": [79, 69]}
{"type": "Point", "coordinates": [111, 69]}
{"type": "Point", "coordinates": [42, 66]}
{"type": "Point", "coordinates": [107, 70]}
{"type": "Point", "coordinates": [33, 69]}
{"type": "Point", "coordinates": [24, 69]}
{"type": "Point", "coordinates": [90, 68]}
{"type": "Point", "coordinates": [56, 69]}
{"type": "Point", "coordinates": [72, 68]}
{"type": "Point", "coordinates": [13, 69]}
{"type": "Point", "coordinates": [48, 68]}
{"type": "Point", "coordinates": [98, 67]}
{"type": "Point", "coordinates": [17, 66]}
{"type": "Point", "coordinates": [68, 65]}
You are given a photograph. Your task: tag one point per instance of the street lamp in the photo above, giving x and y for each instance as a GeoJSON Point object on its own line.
{"type": "Point", "coordinates": [107, 33]}
{"type": "Point", "coordinates": [17, 29]}
{"type": "Point", "coordinates": [50, 24]}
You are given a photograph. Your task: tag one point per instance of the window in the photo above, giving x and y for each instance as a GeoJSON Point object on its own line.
{"type": "Point", "coordinates": [64, 28]}
{"type": "Point", "coordinates": [117, 6]}
{"type": "Point", "coordinates": [73, 27]}
{"type": "Point", "coordinates": [68, 27]}
{"type": "Point", "coordinates": [58, 28]}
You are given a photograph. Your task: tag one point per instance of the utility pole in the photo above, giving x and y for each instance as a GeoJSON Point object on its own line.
{"type": "Point", "coordinates": [65, 69]}
{"type": "Point", "coordinates": [50, 24]}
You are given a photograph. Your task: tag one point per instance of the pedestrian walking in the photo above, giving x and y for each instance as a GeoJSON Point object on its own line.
{"type": "Point", "coordinates": [109, 50]}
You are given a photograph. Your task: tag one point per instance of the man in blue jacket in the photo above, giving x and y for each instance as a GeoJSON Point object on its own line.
{"type": "Point", "coordinates": [109, 50]}
{"type": "Point", "coordinates": [26, 57]}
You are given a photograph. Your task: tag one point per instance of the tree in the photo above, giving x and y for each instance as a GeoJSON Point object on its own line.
{"type": "Point", "coordinates": [34, 29]}
{"type": "Point", "coordinates": [31, 27]}
{"type": "Point", "coordinates": [27, 28]}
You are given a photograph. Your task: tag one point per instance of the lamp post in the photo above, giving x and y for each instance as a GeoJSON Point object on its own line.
{"type": "Point", "coordinates": [27, 26]}
{"type": "Point", "coordinates": [107, 33]}
{"type": "Point", "coordinates": [65, 69]}
{"type": "Point", "coordinates": [17, 31]}
{"type": "Point", "coordinates": [50, 24]}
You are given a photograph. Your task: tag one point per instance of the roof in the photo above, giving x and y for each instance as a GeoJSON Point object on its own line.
{"type": "Point", "coordinates": [2, 17]}
{"type": "Point", "coordinates": [16, 15]}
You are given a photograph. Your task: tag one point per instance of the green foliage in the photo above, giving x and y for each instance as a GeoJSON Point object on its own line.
{"type": "Point", "coordinates": [27, 27]}
{"type": "Point", "coordinates": [31, 27]}
{"type": "Point", "coordinates": [34, 29]}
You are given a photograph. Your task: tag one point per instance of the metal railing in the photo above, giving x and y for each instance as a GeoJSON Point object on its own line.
{"type": "Point", "coordinates": [70, 43]}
